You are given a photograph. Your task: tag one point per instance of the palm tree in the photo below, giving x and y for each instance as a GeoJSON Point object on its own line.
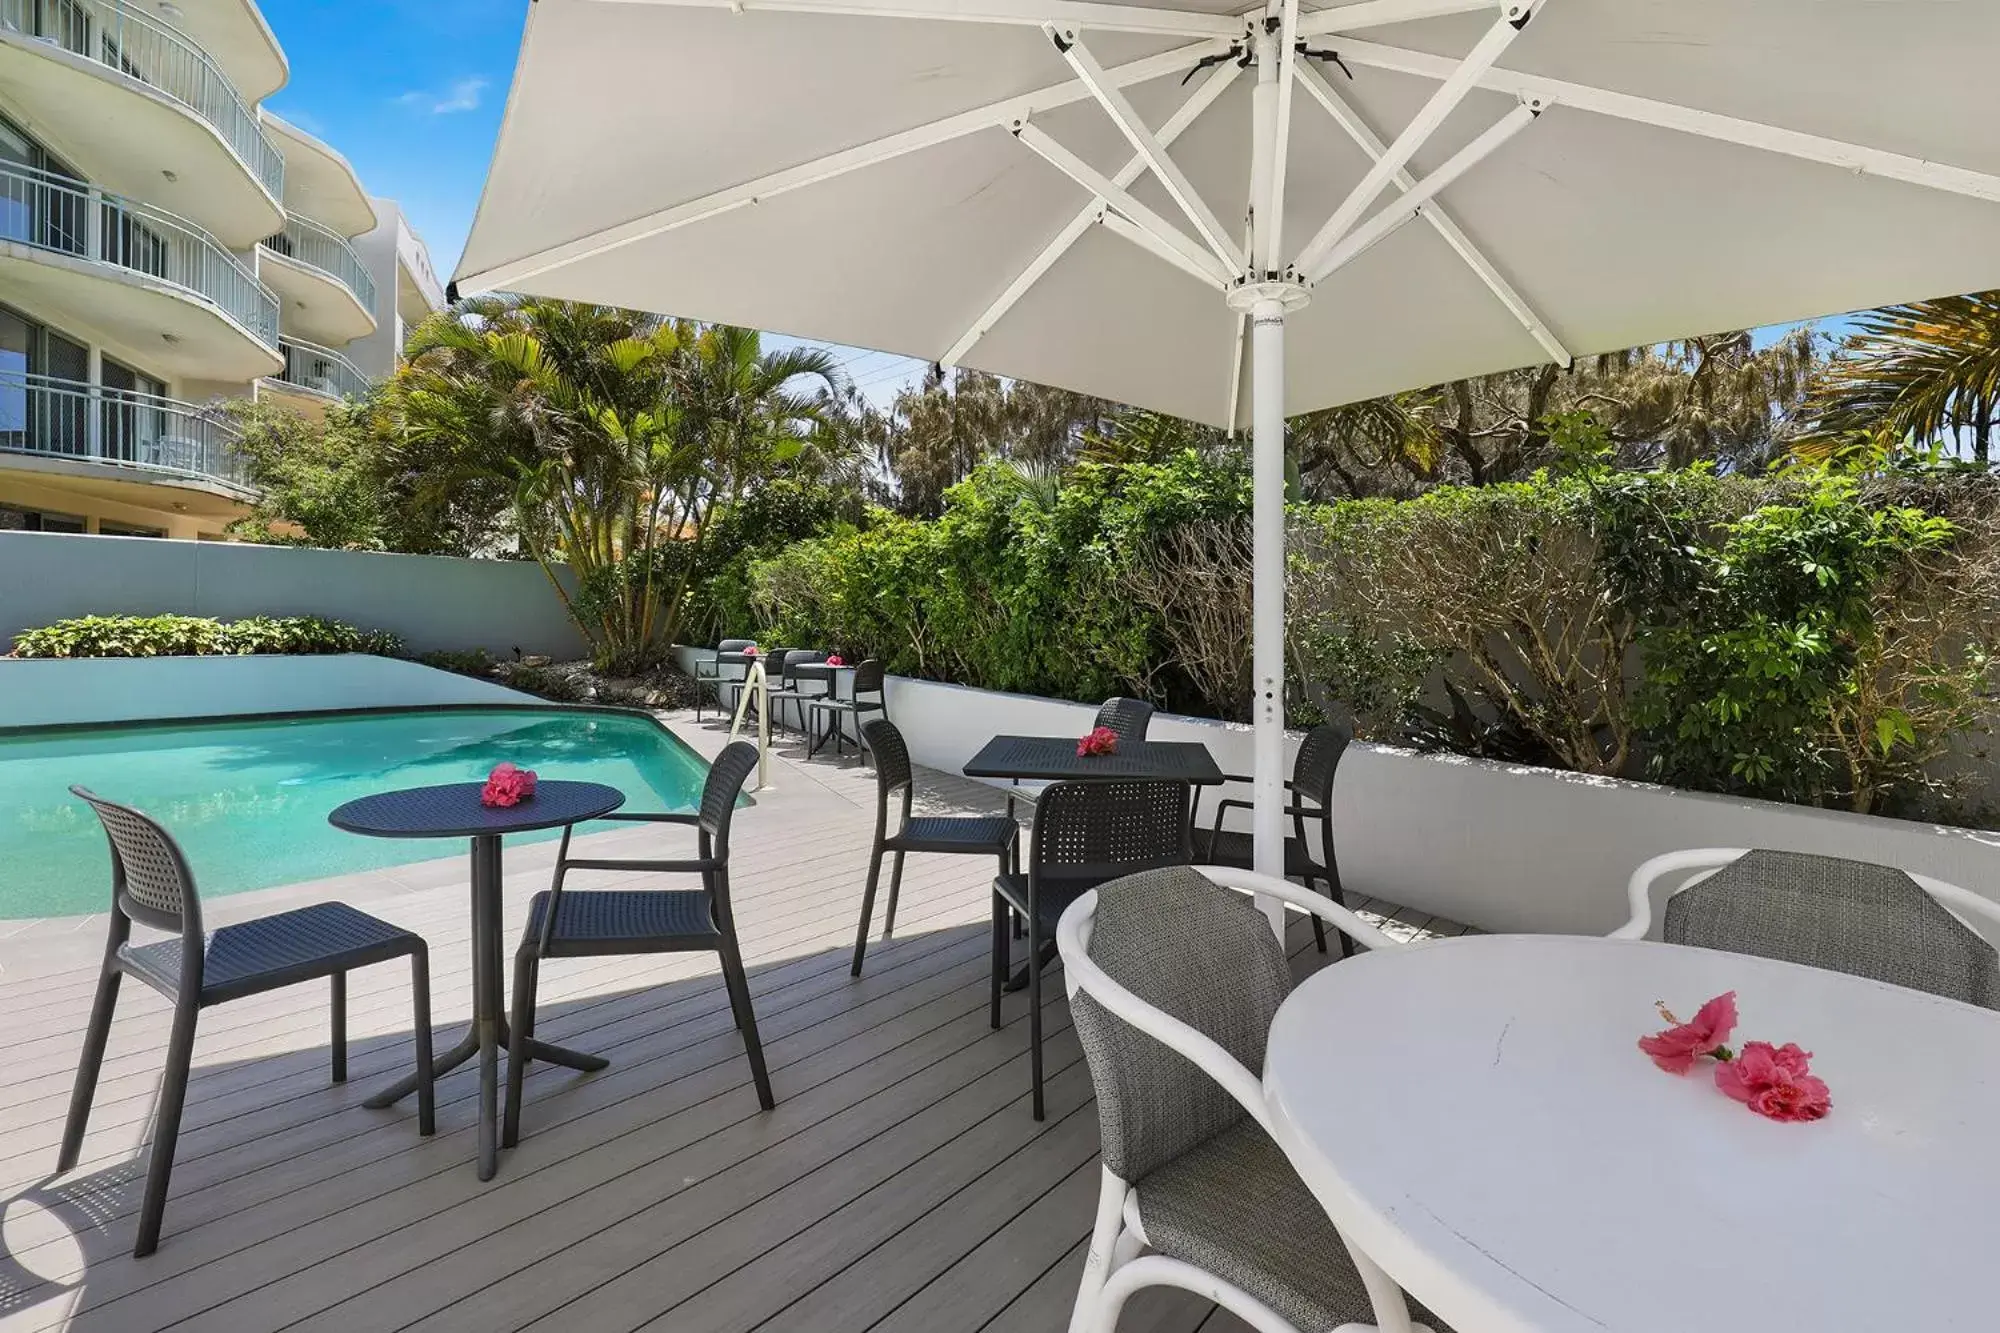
{"type": "Point", "coordinates": [620, 435]}
{"type": "Point", "coordinates": [1922, 371]}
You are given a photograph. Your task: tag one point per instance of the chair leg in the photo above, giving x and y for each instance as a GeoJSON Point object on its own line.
{"type": "Point", "coordinates": [420, 1028]}
{"type": "Point", "coordinates": [867, 909]}
{"type": "Point", "coordinates": [338, 985]}
{"type": "Point", "coordinates": [527, 973]}
{"type": "Point", "coordinates": [1099, 1260]}
{"type": "Point", "coordinates": [746, 1018]}
{"type": "Point", "coordinates": [88, 1065]}
{"type": "Point", "coordinates": [166, 1127]}
{"type": "Point", "coordinates": [895, 887]}
{"type": "Point", "coordinates": [1001, 914]}
{"type": "Point", "coordinates": [1035, 1009]}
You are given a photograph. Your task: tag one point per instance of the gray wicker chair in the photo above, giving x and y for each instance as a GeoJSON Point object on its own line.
{"type": "Point", "coordinates": [1085, 834]}
{"type": "Point", "coordinates": [1128, 718]}
{"type": "Point", "coordinates": [1844, 916]}
{"type": "Point", "coordinates": [1311, 791]}
{"type": "Point", "coordinates": [596, 923]}
{"type": "Point", "coordinates": [960, 835]}
{"type": "Point", "coordinates": [152, 885]}
{"type": "Point", "coordinates": [1190, 1172]}
{"type": "Point", "coordinates": [729, 667]}
{"type": "Point", "coordinates": [830, 709]}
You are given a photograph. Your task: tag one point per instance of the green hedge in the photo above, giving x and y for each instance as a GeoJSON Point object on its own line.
{"type": "Point", "coordinates": [197, 636]}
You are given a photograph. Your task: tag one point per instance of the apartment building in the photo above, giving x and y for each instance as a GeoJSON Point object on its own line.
{"type": "Point", "coordinates": [166, 246]}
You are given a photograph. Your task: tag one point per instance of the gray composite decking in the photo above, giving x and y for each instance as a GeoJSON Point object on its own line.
{"type": "Point", "coordinates": [899, 1185]}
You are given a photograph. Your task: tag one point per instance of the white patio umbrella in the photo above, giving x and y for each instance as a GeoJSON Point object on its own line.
{"type": "Point", "coordinates": [1104, 196]}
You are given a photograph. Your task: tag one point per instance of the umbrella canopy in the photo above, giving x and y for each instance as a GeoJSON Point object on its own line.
{"type": "Point", "coordinates": [1110, 197]}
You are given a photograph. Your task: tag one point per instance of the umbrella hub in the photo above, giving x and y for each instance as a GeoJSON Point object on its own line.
{"type": "Point", "coordinates": [1245, 296]}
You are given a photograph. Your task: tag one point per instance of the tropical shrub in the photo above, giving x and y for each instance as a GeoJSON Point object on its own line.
{"type": "Point", "coordinates": [197, 636]}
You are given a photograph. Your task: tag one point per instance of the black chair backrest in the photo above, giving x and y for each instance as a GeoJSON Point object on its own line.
{"type": "Point", "coordinates": [868, 677]}
{"type": "Point", "coordinates": [799, 657]}
{"type": "Point", "coordinates": [726, 776]}
{"type": "Point", "coordinates": [1090, 832]}
{"type": "Point", "coordinates": [735, 645]}
{"type": "Point", "coordinates": [1318, 759]}
{"type": "Point", "coordinates": [775, 660]}
{"type": "Point", "coordinates": [1127, 718]}
{"type": "Point", "coordinates": [881, 738]}
{"type": "Point", "coordinates": [150, 879]}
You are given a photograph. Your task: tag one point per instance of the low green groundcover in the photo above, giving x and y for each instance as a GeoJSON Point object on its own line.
{"type": "Point", "coordinates": [199, 636]}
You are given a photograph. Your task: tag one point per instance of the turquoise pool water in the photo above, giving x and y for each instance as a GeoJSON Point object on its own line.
{"type": "Point", "coordinates": [248, 800]}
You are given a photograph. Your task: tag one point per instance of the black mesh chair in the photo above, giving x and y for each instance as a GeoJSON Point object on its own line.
{"type": "Point", "coordinates": [961, 835]}
{"type": "Point", "coordinates": [152, 885]}
{"type": "Point", "coordinates": [1127, 718]}
{"type": "Point", "coordinates": [1855, 917]}
{"type": "Point", "coordinates": [1086, 833]}
{"type": "Point", "coordinates": [595, 923]}
{"type": "Point", "coordinates": [1311, 791]}
{"type": "Point", "coordinates": [729, 667]}
{"type": "Point", "coordinates": [830, 711]}
{"type": "Point", "coordinates": [790, 688]}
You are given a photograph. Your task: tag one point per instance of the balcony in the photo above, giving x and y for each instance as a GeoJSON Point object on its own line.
{"type": "Point", "coordinates": [133, 275]}
{"type": "Point", "coordinates": [113, 434]}
{"type": "Point", "coordinates": [144, 110]}
{"type": "Point", "coordinates": [315, 375]}
{"type": "Point", "coordinates": [326, 290]}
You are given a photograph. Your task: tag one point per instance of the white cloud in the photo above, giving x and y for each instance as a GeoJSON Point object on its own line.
{"type": "Point", "coordinates": [461, 95]}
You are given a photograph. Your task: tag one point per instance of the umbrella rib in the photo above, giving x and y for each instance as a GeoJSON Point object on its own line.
{"type": "Point", "coordinates": [1120, 198]}
{"type": "Point", "coordinates": [1179, 188]}
{"type": "Point", "coordinates": [1032, 13]}
{"type": "Point", "coordinates": [1201, 100]}
{"type": "Point", "coordinates": [1856, 158]}
{"type": "Point", "coordinates": [1441, 221]}
{"type": "Point", "coordinates": [1405, 210]}
{"type": "Point", "coordinates": [1463, 78]}
{"type": "Point", "coordinates": [993, 115]}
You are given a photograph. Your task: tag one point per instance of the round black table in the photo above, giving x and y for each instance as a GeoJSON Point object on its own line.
{"type": "Point", "coordinates": [455, 811]}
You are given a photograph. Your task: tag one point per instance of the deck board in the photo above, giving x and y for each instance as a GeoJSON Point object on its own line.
{"type": "Point", "coordinates": [900, 1185]}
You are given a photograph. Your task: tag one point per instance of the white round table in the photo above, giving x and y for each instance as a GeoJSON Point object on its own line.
{"type": "Point", "coordinates": [1474, 1115]}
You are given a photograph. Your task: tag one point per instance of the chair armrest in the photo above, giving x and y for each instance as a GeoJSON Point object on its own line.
{"type": "Point", "coordinates": [690, 867]}
{"type": "Point", "coordinates": [645, 818]}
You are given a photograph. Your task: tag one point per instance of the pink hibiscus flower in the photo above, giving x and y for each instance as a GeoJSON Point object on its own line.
{"type": "Point", "coordinates": [1677, 1048]}
{"type": "Point", "coordinates": [1100, 740]}
{"type": "Point", "coordinates": [507, 786]}
{"type": "Point", "coordinates": [1775, 1081]}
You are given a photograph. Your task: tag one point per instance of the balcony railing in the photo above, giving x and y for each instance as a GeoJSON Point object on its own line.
{"type": "Point", "coordinates": [96, 424]}
{"type": "Point", "coordinates": [64, 216]}
{"type": "Point", "coordinates": [143, 48]}
{"type": "Point", "coordinates": [304, 241]}
{"type": "Point", "coordinates": [319, 370]}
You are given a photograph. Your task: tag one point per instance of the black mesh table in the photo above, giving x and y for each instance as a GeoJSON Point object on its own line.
{"type": "Point", "coordinates": [1054, 759]}
{"type": "Point", "coordinates": [455, 811]}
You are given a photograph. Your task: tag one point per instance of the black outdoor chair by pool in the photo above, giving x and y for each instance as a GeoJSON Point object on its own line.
{"type": "Point", "coordinates": [831, 711]}
{"type": "Point", "coordinates": [1086, 833]}
{"type": "Point", "coordinates": [960, 835]}
{"type": "Point", "coordinates": [1310, 793]}
{"type": "Point", "coordinates": [729, 667]}
{"type": "Point", "coordinates": [152, 885]}
{"type": "Point", "coordinates": [792, 688]}
{"type": "Point", "coordinates": [1127, 718]}
{"type": "Point", "coordinates": [596, 923]}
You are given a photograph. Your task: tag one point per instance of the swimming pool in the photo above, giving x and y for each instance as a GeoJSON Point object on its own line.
{"type": "Point", "coordinates": [248, 800]}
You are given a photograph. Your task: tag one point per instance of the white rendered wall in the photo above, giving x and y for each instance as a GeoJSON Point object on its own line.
{"type": "Point", "coordinates": [432, 602]}
{"type": "Point", "coordinates": [1503, 847]}
{"type": "Point", "coordinates": [48, 691]}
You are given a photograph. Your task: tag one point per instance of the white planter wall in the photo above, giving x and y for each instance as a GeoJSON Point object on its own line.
{"type": "Point", "coordinates": [1500, 846]}
{"type": "Point", "coordinates": [49, 691]}
{"type": "Point", "coordinates": [430, 601]}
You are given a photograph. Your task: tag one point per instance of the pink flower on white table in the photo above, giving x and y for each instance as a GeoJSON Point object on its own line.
{"type": "Point", "coordinates": [1775, 1081]}
{"type": "Point", "coordinates": [1677, 1048]}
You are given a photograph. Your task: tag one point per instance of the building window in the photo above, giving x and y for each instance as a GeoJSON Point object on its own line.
{"type": "Point", "coordinates": [14, 518]}
{"type": "Point", "coordinates": [44, 390]}
{"type": "Point", "coordinates": [109, 529]}
{"type": "Point", "coordinates": [134, 421]}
